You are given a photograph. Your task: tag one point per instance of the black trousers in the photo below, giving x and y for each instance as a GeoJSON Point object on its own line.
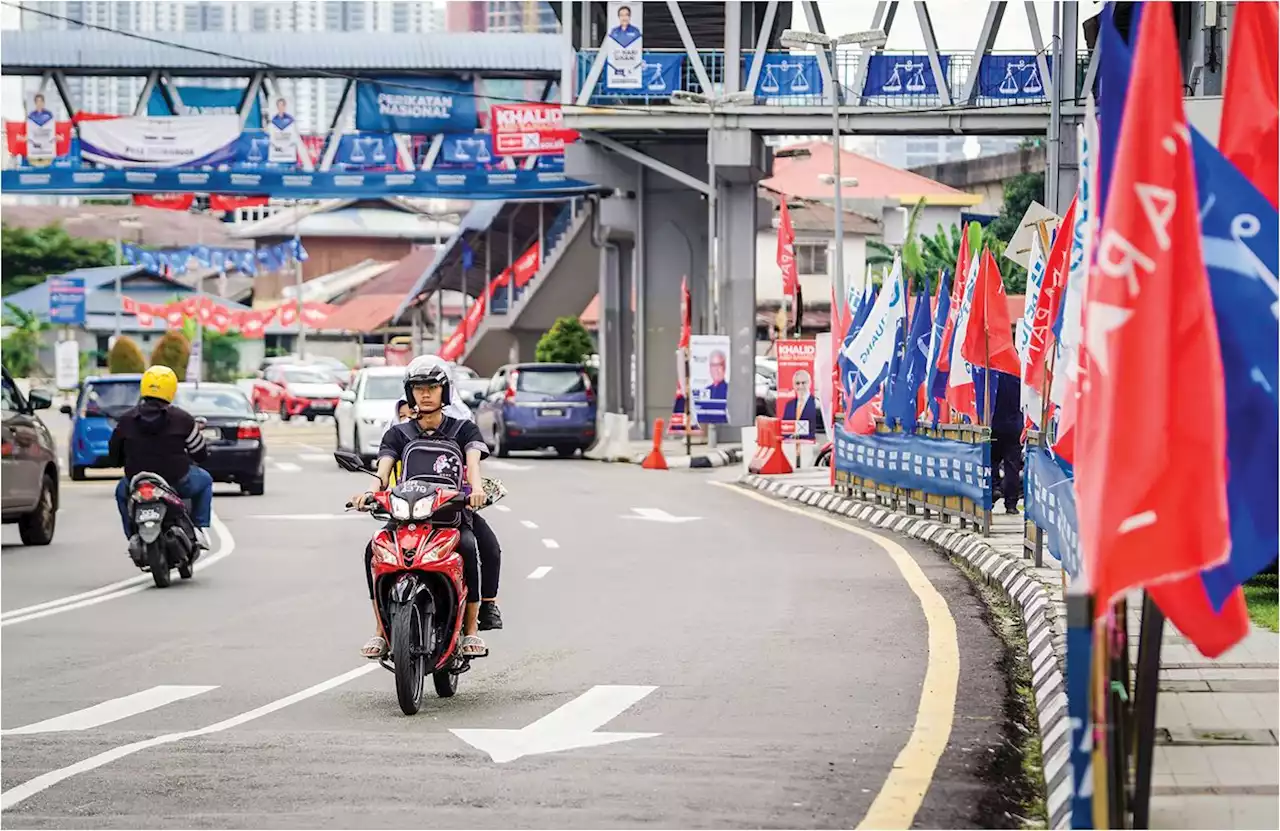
{"type": "Point", "coordinates": [467, 547]}
{"type": "Point", "coordinates": [1006, 465]}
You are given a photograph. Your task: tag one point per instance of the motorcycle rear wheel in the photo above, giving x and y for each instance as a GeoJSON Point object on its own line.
{"type": "Point", "coordinates": [159, 564]}
{"type": "Point", "coordinates": [406, 652]}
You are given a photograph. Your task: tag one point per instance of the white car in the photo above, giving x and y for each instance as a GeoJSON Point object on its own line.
{"type": "Point", "coordinates": [367, 408]}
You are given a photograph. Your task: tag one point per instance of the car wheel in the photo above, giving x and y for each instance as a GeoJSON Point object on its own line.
{"type": "Point", "coordinates": [311, 417]}
{"type": "Point", "coordinates": [500, 443]}
{"type": "Point", "coordinates": [257, 487]}
{"type": "Point", "coordinates": [284, 412]}
{"type": "Point", "coordinates": [565, 451]}
{"type": "Point", "coordinates": [77, 473]}
{"type": "Point", "coordinates": [36, 528]}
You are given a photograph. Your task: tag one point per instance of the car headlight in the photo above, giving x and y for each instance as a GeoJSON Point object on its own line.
{"type": "Point", "coordinates": [399, 508]}
{"type": "Point", "coordinates": [422, 508]}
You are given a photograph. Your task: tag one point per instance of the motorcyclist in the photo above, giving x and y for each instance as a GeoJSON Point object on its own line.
{"type": "Point", "coordinates": [157, 437]}
{"type": "Point", "coordinates": [438, 448]}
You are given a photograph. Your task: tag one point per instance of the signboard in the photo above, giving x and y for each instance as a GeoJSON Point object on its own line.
{"type": "Point", "coordinates": [178, 141]}
{"type": "Point", "coordinates": [892, 76]}
{"type": "Point", "coordinates": [425, 105]}
{"type": "Point", "coordinates": [1011, 77]}
{"type": "Point", "coordinates": [532, 129]}
{"type": "Point", "coordinates": [943, 467]}
{"type": "Point", "coordinates": [660, 74]}
{"type": "Point", "coordinates": [784, 75]}
{"type": "Point", "coordinates": [709, 378]}
{"type": "Point", "coordinates": [797, 404]}
{"type": "Point", "coordinates": [1019, 248]}
{"type": "Point", "coordinates": [66, 360]}
{"type": "Point", "coordinates": [205, 101]}
{"type": "Point", "coordinates": [623, 47]}
{"type": "Point", "coordinates": [66, 300]}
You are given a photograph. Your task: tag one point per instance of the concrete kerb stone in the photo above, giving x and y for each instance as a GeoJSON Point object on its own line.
{"type": "Point", "coordinates": [1013, 578]}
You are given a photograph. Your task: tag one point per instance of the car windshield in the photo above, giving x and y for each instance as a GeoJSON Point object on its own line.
{"type": "Point", "coordinates": [213, 402]}
{"type": "Point", "coordinates": [550, 381]}
{"type": "Point", "coordinates": [111, 398]}
{"type": "Point", "coordinates": [383, 388]}
{"type": "Point", "coordinates": [307, 376]}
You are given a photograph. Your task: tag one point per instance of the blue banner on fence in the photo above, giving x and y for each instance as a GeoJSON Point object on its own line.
{"type": "Point", "coordinates": [898, 75]}
{"type": "Point", "coordinates": [366, 150]}
{"type": "Point", "coordinates": [1011, 77]}
{"type": "Point", "coordinates": [444, 184]}
{"type": "Point", "coordinates": [206, 101]}
{"type": "Point", "coordinates": [943, 467]}
{"type": "Point", "coordinates": [661, 76]}
{"type": "Point", "coordinates": [1051, 504]}
{"type": "Point", "coordinates": [782, 76]}
{"type": "Point", "coordinates": [423, 105]}
{"type": "Point", "coordinates": [468, 149]}
{"type": "Point", "coordinates": [66, 300]}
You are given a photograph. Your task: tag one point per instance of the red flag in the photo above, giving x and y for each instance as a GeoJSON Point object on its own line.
{"type": "Point", "coordinates": [146, 314]}
{"type": "Point", "coordinates": [165, 201]}
{"type": "Point", "coordinates": [452, 349]}
{"type": "Point", "coordinates": [1050, 299]}
{"type": "Point", "coordinates": [863, 420]}
{"type": "Point", "coordinates": [204, 310]}
{"type": "Point", "coordinates": [787, 252]}
{"type": "Point", "coordinates": [1150, 468]}
{"type": "Point", "coordinates": [219, 318]}
{"type": "Point", "coordinates": [228, 202]}
{"type": "Point", "coordinates": [1250, 110]}
{"type": "Point", "coordinates": [83, 116]}
{"type": "Point", "coordinates": [988, 339]}
{"type": "Point", "coordinates": [191, 306]}
{"type": "Point", "coordinates": [957, 297]}
{"type": "Point", "coordinates": [128, 305]}
{"type": "Point", "coordinates": [475, 314]}
{"type": "Point", "coordinates": [173, 315]}
{"type": "Point", "coordinates": [314, 313]}
{"type": "Point", "coordinates": [525, 268]}
{"type": "Point", "coordinates": [253, 324]}
{"type": "Point", "coordinates": [686, 313]}
{"type": "Point", "coordinates": [502, 280]}
{"type": "Point", "coordinates": [288, 314]}
{"type": "Point", "coordinates": [15, 133]}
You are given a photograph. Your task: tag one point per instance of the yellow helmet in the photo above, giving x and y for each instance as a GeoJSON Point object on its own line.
{"type": "Point", "coordinates": [159, 382]}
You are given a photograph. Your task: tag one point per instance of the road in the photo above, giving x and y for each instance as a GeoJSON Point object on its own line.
{"type": "Point", "coordinates": [780, 661]}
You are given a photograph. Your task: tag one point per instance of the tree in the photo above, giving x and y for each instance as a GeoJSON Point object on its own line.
{"type": "Point", "coordinates": [28, 257]}
{"type": "Point", "coordinates": [126, 356]}
{"type": "Point", "coordinates": [942, 250]}
{"type": "Point", "coordinates": [172, 351]}
{"type": "Point", "coordinates": [567, 341]}
{"type": "Point", "coordinates": [1019, 193]}
{"type": "Point", "coordinates": [20, 351]}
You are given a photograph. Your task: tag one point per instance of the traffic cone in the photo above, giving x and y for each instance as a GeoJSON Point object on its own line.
{"type": "Point", "coordinates": [655, 460]}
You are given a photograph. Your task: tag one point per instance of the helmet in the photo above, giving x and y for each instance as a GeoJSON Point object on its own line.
{"type": "Point", "coordinates": [428, 370]}
{"type": "Point", "coordinates": [159, 382]}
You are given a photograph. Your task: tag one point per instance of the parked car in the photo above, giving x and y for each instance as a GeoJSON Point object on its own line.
{"type": "Point", "coordinates": [766, 394]}
{"type": "Point", "coordinates": [471, 386]}
{"type": "Point", "coordinates": [28, 465]}
{"type": "Point", "coordinates": [296, 391]}
{"type": "Point", "coordinates": [368, 408]}
{"type": "Point", "coordinates": [237, 452]}
{"type": "Point", "coordinates": [101, 403]}
{"type": "Point", "coordinates": [531, 406]}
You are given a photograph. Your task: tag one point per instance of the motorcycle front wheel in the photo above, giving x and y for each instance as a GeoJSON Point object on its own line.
{"type": "Point", "coordinates": [406, 651]}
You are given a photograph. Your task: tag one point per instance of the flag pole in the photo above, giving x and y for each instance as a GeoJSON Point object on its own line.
{"type": "Point", "coordinates": [1051, 357]}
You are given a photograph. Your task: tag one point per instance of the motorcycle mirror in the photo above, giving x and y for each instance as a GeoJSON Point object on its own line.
{"type": "Point", "coordinates": [350, 462]}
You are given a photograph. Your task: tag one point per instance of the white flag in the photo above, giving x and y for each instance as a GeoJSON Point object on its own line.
{"type": "Point", "coordinates": [1032, 403]}
{"type": "Point", "coordinates": [1067, 365]}
{"type": "Point", "coordinates": [871, 350]}
{"type": "Point", "coordinates": [961, 376]}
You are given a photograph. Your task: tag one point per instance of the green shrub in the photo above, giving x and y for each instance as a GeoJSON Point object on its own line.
{"type": "Point", "coordinates": [126, 356]}
{"type": "Point", "coordinates": [172, 351]}
{"type": "Point", "coordinates": [567, 341]}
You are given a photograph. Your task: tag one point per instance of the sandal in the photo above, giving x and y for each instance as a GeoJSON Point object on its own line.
{"type": "Point", "coordinates": [375, 648]}
{"type": "Point", "coordinates": [473, 646]}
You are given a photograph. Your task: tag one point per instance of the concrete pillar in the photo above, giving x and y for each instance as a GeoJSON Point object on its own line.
{"type": "Point", "coordinates": [738, 205]}
{"type": "Point", "coordinates": [1063, 175]}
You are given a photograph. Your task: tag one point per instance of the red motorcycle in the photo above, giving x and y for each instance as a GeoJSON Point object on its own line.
{"type": "Point", "coordinates": [418, 585]}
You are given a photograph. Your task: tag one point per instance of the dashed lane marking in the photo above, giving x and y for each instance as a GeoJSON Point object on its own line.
{"type": "Point", "coordinates": [539, 572]}
{"type": "Point", "coordinates": [550, 543]}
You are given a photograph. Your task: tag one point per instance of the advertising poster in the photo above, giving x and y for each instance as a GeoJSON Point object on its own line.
{"type": "Point", "coordinates": [42, 133]}
{"type": "Point", "coordinates": [422, 106]}
{"type": "Point", "coordinates": [797, 400]}
{"type": "Point", "coordinates": [824, 383]}
{"type": "Point", "coordinates": [709, 378]}
{"type": "Point", "coordinates": [283, 139]}
{"type": "Point", "coordinates": [624, 46]}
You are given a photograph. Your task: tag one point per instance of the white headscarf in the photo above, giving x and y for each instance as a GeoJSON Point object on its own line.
{"type": "Point", "coordinates": [456, 408]}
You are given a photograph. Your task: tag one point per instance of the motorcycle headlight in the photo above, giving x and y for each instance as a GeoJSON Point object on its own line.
{"type": "Point", "coordinates": [399, 508]}
{"type": "Point", "coordinates": [422, 509]}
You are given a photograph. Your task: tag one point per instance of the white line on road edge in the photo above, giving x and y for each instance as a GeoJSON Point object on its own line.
{"type": "Point", "coordinates": [109, 711]}
{"type": "Point", "coordinates": [527, 524]}
{"type": "Point", "coordinates": [287, 467]}
{"type": "Point", "coordinates": [504, 508]}
{"type": "Point", "coordinates": [44, 781]}
{"type": "Point", "coordinates": [904, 789]}
{"type": "Point", "coordinates": [539, 572]}
{"type": "Point", "coordinates": [551, 543]}
{"type": "Point", "coordinates": [133, 585]}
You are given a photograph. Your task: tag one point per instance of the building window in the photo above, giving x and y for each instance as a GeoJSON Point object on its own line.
{"type": "Point", "coordinates": [811, 257]}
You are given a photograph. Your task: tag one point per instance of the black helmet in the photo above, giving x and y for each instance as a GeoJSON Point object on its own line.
{"type": "Point", "coordinates": [423, 371]}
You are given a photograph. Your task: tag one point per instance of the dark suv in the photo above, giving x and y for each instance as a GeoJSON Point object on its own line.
{"type": "Point", "coordinates": [29, 477]}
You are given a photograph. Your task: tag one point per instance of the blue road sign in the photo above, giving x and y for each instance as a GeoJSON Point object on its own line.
{"type": "Point", "coordinates": [66, 300]}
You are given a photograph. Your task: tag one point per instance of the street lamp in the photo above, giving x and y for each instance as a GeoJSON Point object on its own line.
{"type": "Point", "coordinates": [869, 39]}
{"type": "Point", "coordinates": [129, 221]}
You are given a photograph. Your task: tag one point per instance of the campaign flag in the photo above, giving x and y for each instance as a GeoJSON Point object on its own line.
{"type": "Point", "coordinates": [173, 315]}
{"type": "Point", "coordinates": [871, 351]}
{"type": "Point", "coordinates": [165, 201]}
{"type": "Point", "coordinates": [957, 295]}
{"type": "Point", "coordinates": [525, 268]}
{"type": "Point", "coordinates": [468, 255]}
{"type": "Point", "coordinates": [988, 341]}
{"type": "Point", "coordinates": [623, 46]}
{"type": "Point", "coordinates": [940, 317]}
{"type": "Point", "coordinates": [960, 380]}
{"type": "Point", "coordinates": [1041, 314]}
{"type": "Point", "coordinates": [1030, 399]}
{"type": "Point", "coordinates": [686, 313]}
{"type": "Point", "coordinates": [1250, 110]}
{"type": "Point", "coordinates": [1151, 480]}
{"type": "Point", "coordinates": [787, 252]}
{"type": "Point", "coordinates": [471, 320]}
{"type": "Point", "coordinates": [454, 346]}
{"type": "Point", "coordinates": [913, 367]}
{"type": "Point", "coordinates": [289, 314]}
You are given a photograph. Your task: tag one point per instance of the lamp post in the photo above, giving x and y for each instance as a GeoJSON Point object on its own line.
{"type": "Point", "coordinates": [129, 221]}
{"type": "Point", "coordinates": [796, 39]}
{"type": "Point", "coordinates": [840, 182]}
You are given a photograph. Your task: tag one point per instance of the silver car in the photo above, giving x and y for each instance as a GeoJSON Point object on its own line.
{"type": "Point", "coordinates": [29, 472]}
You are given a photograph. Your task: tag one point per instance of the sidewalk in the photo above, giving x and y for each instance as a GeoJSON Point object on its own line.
{"type": "Point", "coordinates": [1216, 759]}
{"type": "Point", "coordinates": [673, 449]}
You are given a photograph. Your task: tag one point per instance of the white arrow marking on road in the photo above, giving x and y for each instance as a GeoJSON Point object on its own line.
{"type": "Point", "coordinates": [495, 464]}
{"type": "Point", "coordinates": [566, 728]}
{"type": "Point", "coordinates": [658, 515]}
{"type": "Point", "coordinates": [109, 711]}
{"type": "Point", "coordinates": [539, 572]}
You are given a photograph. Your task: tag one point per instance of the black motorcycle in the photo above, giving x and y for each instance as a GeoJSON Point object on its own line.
{"type": "Point", "coordinates": [162, 535]}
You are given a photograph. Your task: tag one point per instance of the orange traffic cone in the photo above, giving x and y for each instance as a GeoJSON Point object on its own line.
{"type": "Point", "coordinates": [655, 460]}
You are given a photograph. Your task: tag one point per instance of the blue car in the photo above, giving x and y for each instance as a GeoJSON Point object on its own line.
{"type": "Point", "coordinates": [531, 406]}
{"type": "Point", "coordinates": [101, 402]}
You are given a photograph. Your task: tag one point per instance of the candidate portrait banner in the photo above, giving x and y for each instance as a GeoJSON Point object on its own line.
{"type": "Point", "coordinates": [284, 140]}
{"type": "Point", "coordinates": [797, 400]}
{"type": "Point", "coordinates": [941, 467]}
{"type": "Point", "coordinates": [623, 47]}
{"type": "Point", "coordinates": [423, 105]}
{"type": "Point", "coordinates": [709, 378]}
{"type": "Point", "coordinates": [531, 129]}
{"type": "Point", "coordinates": [161, 142]}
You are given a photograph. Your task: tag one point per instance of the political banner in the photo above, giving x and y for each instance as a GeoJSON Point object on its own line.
{"type": "Point", "coordinates": [660, 74]}
{"type": "Point", "coordinates": [529, 129]}
{"type": "Point", "coordinates": [824, 381]}
{"type": "Point", "coordinates": [1050, 502]}
{"type": "Point", "coordinates": [423, 105]}
{"type": "Point", "coordinates": [197, 100]}
{"type": "Point", "coordinates": [41, 137]}
{"type": "Point", "coordinates": [284, 140]}
{"type": "Point", "coordinates": [468, 149]}
{"type": "Point", "coordinates": [708, 378]}
{"type": "Point", "coordinates": [942, 467]}
{"type": "Point", "coordinates": [66, 300]}
{"type": "Point", "coordinates": [1011, 77]}
{"type": "Point", "coordinates": [623, 47]}
{"type": "Point", "coordinates": [785, 75]}
{"type": "Point", "coordinates": [363, 150]}
{"type": "Point", "coordinates": [892, 76]}
{"type": "Point", "coordinates": [797, 406]}
{"type": "Point", "coordinates": [142, 141]}
{"type": "Point", "coordinates": [66, 364]}
{"type": "Point", "coordinates": [678, 415]}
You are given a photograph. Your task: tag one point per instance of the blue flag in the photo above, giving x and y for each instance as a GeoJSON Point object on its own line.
{"type": "Point", "coordinates": [936, 383]}
{"type": "Point", "coordinates": [848, 370]}
{"type": "Point", "coordinates": [468, 256]}
{"type": "Point", "coordinates": [913, 367]}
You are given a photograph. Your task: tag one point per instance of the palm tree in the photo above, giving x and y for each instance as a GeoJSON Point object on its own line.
{"type": "Point", "coordinates": [21, 349]}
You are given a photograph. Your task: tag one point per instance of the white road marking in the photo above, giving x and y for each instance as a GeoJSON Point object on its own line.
{"type": "Point", "coordinates": [269, 459]}
{"type": "Point", "coordinates": [527, 524]}
{"type": "Point", "coordinates": [316, 457]}
{"type": "Point", "coordinates": [570, 726]}
{"type": "Point", "coordinates": [287, 467]}
{"type": "Point", "coordinates": [133, 585]}
{"type": "Point", "coordinates": [312, 517]}
{"type": "Point", "coordinates": [505, 509]}
{"type": "Point", "coordinates": [498, 464]}
{"type": "Point", "coordinates": [539, 572]}
{"type": "Point", "coordinates": [44, 781]}
{"type": "Point", "coordinates": [551, 543]}
{"type": "Point", "coordinates": [658, 515]}
{"type": "Point", "coordinates": [109, 711]}
{"type": "Point", "coordinates": [317, 450]}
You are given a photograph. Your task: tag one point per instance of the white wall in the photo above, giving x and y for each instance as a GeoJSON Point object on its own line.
{"type": "Point", "coordinates": [816, 287]}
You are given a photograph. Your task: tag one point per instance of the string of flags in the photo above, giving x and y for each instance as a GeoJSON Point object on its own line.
{"type": "Point", "coordinates": [173, 261]}
{"type": "Point", "coordinates": [208, 312]}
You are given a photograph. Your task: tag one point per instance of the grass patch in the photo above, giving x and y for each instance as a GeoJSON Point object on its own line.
{"type": "Point", "coordinates": [1263, 598]}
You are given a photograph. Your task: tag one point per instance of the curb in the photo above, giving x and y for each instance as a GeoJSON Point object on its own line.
{"type": "Point", "coordinates": [1011, 577]}
{"type": "Point", "coordinates": [706, 459]}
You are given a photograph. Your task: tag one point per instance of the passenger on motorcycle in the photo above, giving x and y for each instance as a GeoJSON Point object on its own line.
{"type": "Point", "coordinates": [157, 437]}
{"type": "Point", "coordinates": [442, 450]}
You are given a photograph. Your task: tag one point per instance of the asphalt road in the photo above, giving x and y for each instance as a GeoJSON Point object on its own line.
{"type": "Point", "coordinates": [785, 657]}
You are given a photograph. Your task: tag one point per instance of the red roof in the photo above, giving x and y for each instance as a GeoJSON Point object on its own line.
{"type": "Point", "coordinates": [370, 306]}
{"type": "Point", "coordinates": [798, 176]}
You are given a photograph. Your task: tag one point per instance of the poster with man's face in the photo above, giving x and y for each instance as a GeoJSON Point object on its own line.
{"type": "Point", "coordinates": [797, 404]}
{"type": "Point", "coordinates": [709, 378]}
{"type": "Point", "coordinates": [624, 46]}
{"type": "Point", "coordinates": [42, 132]}
{"type": "Point", "coordinates": [282, 135]}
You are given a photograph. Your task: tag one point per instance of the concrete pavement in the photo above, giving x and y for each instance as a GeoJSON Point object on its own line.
{"type": "Point", "coordinates": [787, 657]}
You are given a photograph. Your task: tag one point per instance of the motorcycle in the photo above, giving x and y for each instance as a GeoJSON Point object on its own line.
{"type": "Point", "coordinates": [418, 584]}
{"type": "Point", "coordinates": [164, 536]}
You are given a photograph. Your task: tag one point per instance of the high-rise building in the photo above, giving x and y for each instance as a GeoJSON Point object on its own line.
{"type": "Point", "coordinates": [313, 100]}
{"type": "Point", "coordinates": [502, 16]}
